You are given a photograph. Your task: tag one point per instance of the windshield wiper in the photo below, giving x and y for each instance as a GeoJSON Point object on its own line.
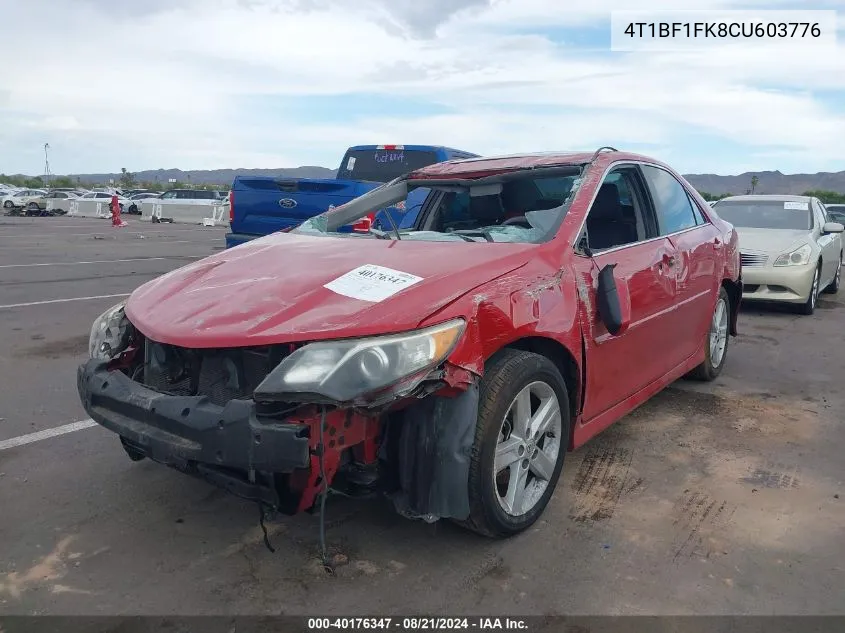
{"type": "Point", "coordinates": [482, 232]}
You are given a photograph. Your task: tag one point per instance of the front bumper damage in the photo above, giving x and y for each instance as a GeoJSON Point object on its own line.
{"type": "Point", "coordinates": [420, 452]}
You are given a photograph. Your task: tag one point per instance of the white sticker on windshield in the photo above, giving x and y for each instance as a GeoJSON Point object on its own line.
{"type": "Point", "coordinates": [797, 206]}
{"type": "Point", "coordinates": [350, 163]}
{"type": "Point", "coordinates": [372, 283]}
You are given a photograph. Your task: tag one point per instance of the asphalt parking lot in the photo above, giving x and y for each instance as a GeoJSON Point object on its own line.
{"type": "Point", "coordinates": [724, 498]}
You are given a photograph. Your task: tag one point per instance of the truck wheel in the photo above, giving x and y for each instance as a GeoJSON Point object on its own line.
{"type": "Point", "coordinates": [521, 439]}
{"type": "Point", "coordinates": [716, 343]}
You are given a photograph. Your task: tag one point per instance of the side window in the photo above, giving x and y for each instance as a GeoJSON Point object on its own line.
{"type": "Point", "coordinates": [819, 213]}
{"type": "Point", "coordinates": [619, 214]}
{"type": "Point", "coordinates": [671, 201]}
{"type": "Point", "coordinates": [61, 195]}
{"type": "Point", "coordinates": [170, 195]}
{"type": "Point", "coordinates": [699, 216]}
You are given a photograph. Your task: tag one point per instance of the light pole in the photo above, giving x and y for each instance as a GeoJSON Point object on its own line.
{"type": "Point", "coordinates": [46, 166]}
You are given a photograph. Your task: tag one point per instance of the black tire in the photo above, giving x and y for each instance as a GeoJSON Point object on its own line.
{"type": "Point", "coordinates": [9, 204]}
{"type": "Point", "coordinates": [33, 206]}
{"type": "Point", "coordinates": [505, 375]}
{"type": "Point", "coordinates": [809, 307]}
{"type": "Point", "coordinates": [708, 370]}
{"type": "Point", "coordinates": [833, 287]}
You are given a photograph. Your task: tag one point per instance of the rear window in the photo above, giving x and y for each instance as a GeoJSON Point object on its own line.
{"type": "Point", "coordinates": [766, 214]}
{"type": "Point", "coordinates": [383, 165]}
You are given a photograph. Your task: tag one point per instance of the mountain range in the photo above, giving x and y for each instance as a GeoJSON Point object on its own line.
{"type": "Point", "coordinates": [773, 182]}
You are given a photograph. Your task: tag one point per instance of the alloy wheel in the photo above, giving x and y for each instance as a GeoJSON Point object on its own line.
{"type": "Point", "coordinates": [719, 333]}
{"type": "Point", "coordinates": [528, 448]}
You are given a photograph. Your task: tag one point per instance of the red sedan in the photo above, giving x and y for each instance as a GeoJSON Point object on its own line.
{"type": "Point", "coordinates": [450, 362]}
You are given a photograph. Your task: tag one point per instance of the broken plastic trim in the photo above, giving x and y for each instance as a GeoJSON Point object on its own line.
{"type": "Point", "coordinates": [431, 446]}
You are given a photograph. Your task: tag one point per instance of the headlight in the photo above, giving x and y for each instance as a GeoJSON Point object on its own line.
{"type": "Point", "coordinates": [109, 334]}
{"type": "Point", "coordinates": [798, 257]}
{"type": "Point", "coordinates": [356, 370]}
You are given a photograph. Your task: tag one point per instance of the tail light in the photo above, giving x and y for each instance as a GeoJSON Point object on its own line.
{"type": "Point", "coordinates": [231, 206]}
{"type": "Point", "coordinates": [363, 225]}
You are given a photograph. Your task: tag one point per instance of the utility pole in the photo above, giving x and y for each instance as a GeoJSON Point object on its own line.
{"type": "Point", "coordinates": [46, 166]}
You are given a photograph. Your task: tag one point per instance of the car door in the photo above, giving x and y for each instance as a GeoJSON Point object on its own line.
{"type": "Point", "coordinates": [621, 229]}
{"type": "Point", "coordinates": [697, 242]}
{"type": "Point", "coordinates": [829, 244]}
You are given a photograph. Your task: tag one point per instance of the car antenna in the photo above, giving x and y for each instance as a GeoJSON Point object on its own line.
{"type": "Point", "coordinates": [600, 149]}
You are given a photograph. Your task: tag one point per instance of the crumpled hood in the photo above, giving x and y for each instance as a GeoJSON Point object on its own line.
{"type": "Point", "coordinates": [771, 241]}
{"type": "Point", "coordinates": [271, 290]}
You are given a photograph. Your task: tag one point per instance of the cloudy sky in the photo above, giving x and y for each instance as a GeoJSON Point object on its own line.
{"type": "Point", "coordinates": [203, 84]}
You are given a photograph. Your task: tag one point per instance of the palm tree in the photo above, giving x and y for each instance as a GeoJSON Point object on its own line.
{"type": "Point", "coordinates": [754, 182]}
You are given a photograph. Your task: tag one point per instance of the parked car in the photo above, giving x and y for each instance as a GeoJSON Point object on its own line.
{"type": "Point", "coordinates": [835, 213]}
{"type": "Point", "coordinates": [259, 205]}
{"type": "Point", "coordinates": [19, 199]}
{"type": "Point", "coordinates": [136, 199]}
{"type": "Point", "coordinates": [105, 197]}
{"type": "Point", "coordinates": [452, 364]}
{"type": "Point", "coordinates": [55, 202]}
{"type": "Point", "coordinates": [790, 252]}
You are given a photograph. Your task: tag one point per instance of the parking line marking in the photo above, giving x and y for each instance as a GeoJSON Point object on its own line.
{"type": "Point", "coordinates": [29, 438]}
{"type": "Point", "coordinates": [44, 245]}
{"type": "Point", "coordinates": [41, 303]}
{"type": "Point", "coordinates": [102, 261]}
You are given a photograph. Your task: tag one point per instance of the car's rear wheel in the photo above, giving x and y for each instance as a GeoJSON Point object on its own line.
{"type": "Point", "coordinates": [8, 204]}
{"type": "Point", "coordinates": [809, 307]}
{"type": "Point", "coordinates": [521, 439]}
{"type": "Point", "coordinates": [716, 342]}
{"type": "Point", "coordinates": [32, 206]}
{"type": "Point", "coordinates": [837, 279]}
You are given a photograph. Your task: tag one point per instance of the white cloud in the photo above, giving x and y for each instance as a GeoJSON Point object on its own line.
{"type": "Point", "coordinates": [163, 84]}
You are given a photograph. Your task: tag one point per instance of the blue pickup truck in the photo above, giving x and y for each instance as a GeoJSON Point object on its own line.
{"type": "Point", "coordinates": [260, 205]}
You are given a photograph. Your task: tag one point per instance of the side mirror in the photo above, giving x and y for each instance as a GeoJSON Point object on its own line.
{"type": "Point", "coordinates": [614, 301]}
{"type": "Point", "coordinates": [832, 227]}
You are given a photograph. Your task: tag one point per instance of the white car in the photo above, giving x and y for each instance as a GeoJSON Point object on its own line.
{"type": "Point", "coordinates": [136, 200]}
{"type": "Point", "coordinates": [105, 197]}
{"type": "Point", "coordinates": [21, 198]}
{"type": "Point", "coordinates": [56, 201]}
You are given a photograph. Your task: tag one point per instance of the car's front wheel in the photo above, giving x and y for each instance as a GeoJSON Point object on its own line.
{"type": "Point", "coordinates": [837, 279]}
{"type": "Point", "coordinates": [809, 306]}
{"type": "Point", "coordinates": [716, 342]}
{"type": "Point", "coordinates": [8, 204]}
{"type": "Point", "coordinates": [521, 439]}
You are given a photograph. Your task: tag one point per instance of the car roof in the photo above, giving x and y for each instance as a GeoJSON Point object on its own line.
{"type": "Point", "coordinates": [473, 167]}
{"type": "Point", "coordinates": [772, 197]}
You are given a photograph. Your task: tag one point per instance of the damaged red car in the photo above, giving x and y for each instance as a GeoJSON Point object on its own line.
{"type": "Point", "coordinates": [449, 362]}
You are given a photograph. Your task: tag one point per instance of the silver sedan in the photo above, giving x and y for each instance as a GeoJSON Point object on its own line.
{"type": "Point", "coordinates": [789, 251]}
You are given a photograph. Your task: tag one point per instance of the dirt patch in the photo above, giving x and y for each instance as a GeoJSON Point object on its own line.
{"type": "Point", "coordinates": [758, 338]}
{"type": "Point", "coordinates": [773, 475]}
{"type": "Point", "coordinates": [74, 346]}
{"type": "Point", "coordinates": [604, 476]}
{"type": "Point", "coordinates": [765, 414]}
{"type": "Point", "coordinates": [699, 520]}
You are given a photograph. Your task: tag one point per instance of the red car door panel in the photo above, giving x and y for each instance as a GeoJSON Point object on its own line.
{"type": "Point", "coordinates": [619, 366]}
{"type": "Point", "coordinates": [696, 285]}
